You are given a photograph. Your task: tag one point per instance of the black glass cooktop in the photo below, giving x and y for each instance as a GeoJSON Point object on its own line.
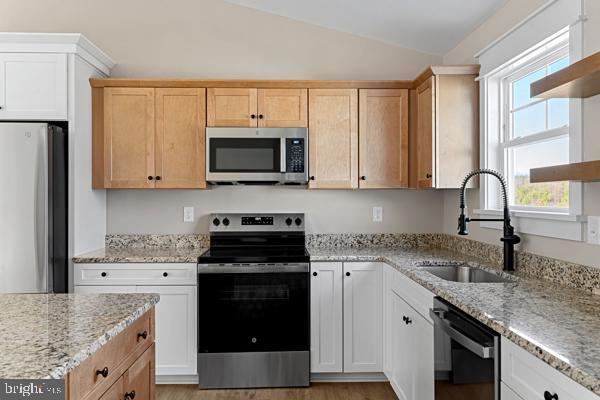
{"type": "Point", "coordinates": [255, 255]}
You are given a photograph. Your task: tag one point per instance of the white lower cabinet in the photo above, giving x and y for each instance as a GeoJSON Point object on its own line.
{"type": "Point", "coordinates": [408, 341]}
{"type": "Point", "coordinates": [346, 317]}
{"type": "Point", "coordinates": [531, 378]}
{"type": "Point", "coordinates": [176, 313]}
{"type": "Point", "coordinates": [507, 394]}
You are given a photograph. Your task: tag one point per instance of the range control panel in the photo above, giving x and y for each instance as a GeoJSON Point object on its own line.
{"type": "Point", "coordinates": [275, 222]}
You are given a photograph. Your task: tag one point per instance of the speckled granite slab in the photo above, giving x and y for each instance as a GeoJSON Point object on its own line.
{"type": "Point", "coordinates": [157, 241]}
{"type": "Point", "coordinates": [557, 324]}
{"type": "Point", "coordinates": [48, 335]}
{"type": "Point", "coordinates": [142, 255]}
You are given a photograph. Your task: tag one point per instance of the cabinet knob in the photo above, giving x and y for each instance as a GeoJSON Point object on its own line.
{"type": "Point", "coordinates": [260, 116]}
{"type": "Point", "coordinates": [143, 335]}
{"type": "Point", "coordinates": [312, 178]}
{"type": "Point", "coordinates": [103, 372]}
{"type": "Point", "coordinates": [363, 178]}
{"type": "Point", "coordinates": [428, 176]}
{"type": "Point", "coordinates": [408, 321]}
{"type": "Point", "coordinates": [548, 396]}
{"type": "Point", "coordinates": [253, 116]}
{"type": "Point", "coordinates": [158, 178]}
{"type": "Point", "coordinates": [1, 107]}
{"type": "Point", "coordinates": [130, 395]}
{"type": "Point", "coordinates": [347, 273]}
{"type": "Point", "coordinates": [315, 273]}
{"type": "Point", "coordinates": [150, 178]}
{"type": "Point", "coordinates": [103, 274]}
{"type": "Point", "coordinates": [165, 274]}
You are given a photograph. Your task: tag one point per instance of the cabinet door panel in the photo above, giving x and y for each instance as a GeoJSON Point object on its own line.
{"type": "Point", "coordinates": [282, 108]}
{"type": "Point", "coordinates": [33, 86]}
{"type": "Point", "coordinates": [326, 317]}
{"type": "Point", "coordinates": [105, 289]}
{"type": "Point", "coordinates": [425, 133]}
{"type": "Point", "coordinates": [115, 392]}
{"type": "Point", "coordinates": [176, 329]}
{"type": "Point", "coordinates": [128, 137]}
{"type": "Point", "coordinates": [363, 339]}
{"type": "Point", "coordinates": [180, 138]}
{"type": "Point", "coordinates": [383, 138]}
{"type": "Point", "coordinates": [232, 107]}
{"type": "Point", "coordinates": [140, 377]}
{"type": "Point", "coordinates": [333, 138]}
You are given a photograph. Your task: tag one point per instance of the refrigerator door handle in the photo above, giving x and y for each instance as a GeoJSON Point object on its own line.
{"type": "Point", "coordinates": [41, 211]}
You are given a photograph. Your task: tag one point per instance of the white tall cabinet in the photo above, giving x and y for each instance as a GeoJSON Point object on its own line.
{"type": "Point", "coordinates": [346, 317]}
{"type": "Point", "coordinates": [45, 77]}
{"type": "Point", "coordinates": [176, 313]}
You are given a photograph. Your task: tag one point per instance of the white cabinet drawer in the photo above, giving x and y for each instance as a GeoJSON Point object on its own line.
{"type": "Point", "coordinates": [135, 274]}
{"type": "Point", "coordinates": [33, 86]}
{"type": "Point", "coordinates": [506, 393]}
{"type": "Point", "coordinates": [414, 294]}
{"type": "Point", "coordinates": [529, 377]}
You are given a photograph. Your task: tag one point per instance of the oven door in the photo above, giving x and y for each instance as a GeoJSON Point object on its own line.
{"type": "Point", "coordinates": [253, 311]}
{"type": "Point", "coordinates": [254, 155]}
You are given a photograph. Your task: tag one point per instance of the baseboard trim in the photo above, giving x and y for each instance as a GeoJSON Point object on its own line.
{"type": "Point", "coordinates": [348, 377]}
{"type": "Point", "coordinates": [176, 379]}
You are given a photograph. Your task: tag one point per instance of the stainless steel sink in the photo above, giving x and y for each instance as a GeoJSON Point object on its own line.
{"type": "Point", "coordinates": [464, 273]}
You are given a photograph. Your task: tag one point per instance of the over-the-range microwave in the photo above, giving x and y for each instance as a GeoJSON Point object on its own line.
{"type": "Point", "coordinates": [257, 155]}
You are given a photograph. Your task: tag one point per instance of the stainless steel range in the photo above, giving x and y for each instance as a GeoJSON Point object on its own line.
{"type": "Point", "coordinates": [254, 303]}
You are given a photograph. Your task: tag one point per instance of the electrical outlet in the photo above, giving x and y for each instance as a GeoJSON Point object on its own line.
{"type": "Point", "coordinates": [188, 214]}
{"type": "Point", "coordinates": [377, 214]}
{"type": "Point", "coordinates": [593, 230]}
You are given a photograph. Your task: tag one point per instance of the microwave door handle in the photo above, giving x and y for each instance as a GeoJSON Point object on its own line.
{"type": "Point", "coordinates": [439, 321]}
{"type": "Point", "coordinates": [283, 156]}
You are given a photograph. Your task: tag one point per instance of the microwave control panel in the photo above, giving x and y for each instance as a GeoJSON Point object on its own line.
{"type": "Point", "coordinates": [294, 155]}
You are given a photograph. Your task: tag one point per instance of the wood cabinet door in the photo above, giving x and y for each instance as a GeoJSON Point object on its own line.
{"type": "Point", "coordinates": [139, 379]}
{"type": "Point", "coordinates": [333, 138]}
{"type": "Point", "coordinates": [426, 133]}
{"type": "Point", "coordinates": [282, 108]}
{"type": "Point", "coordinates": [363, 317]}
{"type": "Point", "coordinates": [232, 107]}
{"type": "Point", "coordinates": [383, 138]}
{"type": "Point", "coordinates": [326, 317]}
{"type": "Point", "coordinates": [180, 138]}
{"type": "Point", "coordinates": [115, 392]}
{"type": "Point", "coordinates": [128, 138]}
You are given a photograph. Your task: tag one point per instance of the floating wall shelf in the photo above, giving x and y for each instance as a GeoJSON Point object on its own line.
{"type": "Point", "coordinates": [585, 171]}
{"type": "Point", "coordinates": [577, 81]}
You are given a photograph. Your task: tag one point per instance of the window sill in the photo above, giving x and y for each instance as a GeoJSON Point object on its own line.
{"type": "Point", "coordinates": [548, 224]}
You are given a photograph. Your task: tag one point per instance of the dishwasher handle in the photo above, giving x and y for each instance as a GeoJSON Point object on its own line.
{"type": "Point", "coordinates": [479, 349]}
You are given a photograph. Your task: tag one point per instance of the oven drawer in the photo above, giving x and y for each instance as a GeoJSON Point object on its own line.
{"type": "Point", "coordinates": [530, 377]}
{"type": "Point", "coordinates": [135, 274]}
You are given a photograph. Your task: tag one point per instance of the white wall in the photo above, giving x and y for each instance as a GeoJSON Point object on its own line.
{"type": "Point", "coordinates": [215, 39]}
{"type": "Point", "coordinates": [511, 14]}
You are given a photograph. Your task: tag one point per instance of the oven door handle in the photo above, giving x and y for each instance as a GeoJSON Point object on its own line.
{"type": "Point", "coordinates": [252, 269]}
{"type": "Point", "coordinates": [283, 156]}
{"type": "Point", "coordinates": [479, 349]}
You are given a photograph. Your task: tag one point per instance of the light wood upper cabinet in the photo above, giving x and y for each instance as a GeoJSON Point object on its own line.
{"type": "Point", "coordinates": [128, 138]}
{"type": "Point", "coordinates": [148, 138]}
{"type": "Point", "coordinates": [383, 138]}
{"type": "Point", "coordinates": [232, 107]}
{"type": "Point", "coordinates": [333, 138]}
{"type": "Point", "coordinates": [282, 108]}
{"type": "Point", "coordinates": [180, 138]}
{"type": "Point", "coordinates": [447, 129]}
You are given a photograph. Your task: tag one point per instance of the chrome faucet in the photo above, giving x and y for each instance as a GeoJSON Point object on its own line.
{"type": "Point", "coordinates": [508, 238]}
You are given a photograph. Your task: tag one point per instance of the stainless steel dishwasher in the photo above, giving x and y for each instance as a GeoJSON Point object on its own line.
{"type": "Point", "coordinates": [467, 355]}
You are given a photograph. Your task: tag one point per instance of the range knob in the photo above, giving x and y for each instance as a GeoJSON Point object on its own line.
{"type": "Point", "coordinates": [216, 222]}
{"type": "Point", "coordinates": [226, 221]}
{"type": "Point", "coordinates": [298, 221]}
{"type": "Point", "coordinates": [288, 221]}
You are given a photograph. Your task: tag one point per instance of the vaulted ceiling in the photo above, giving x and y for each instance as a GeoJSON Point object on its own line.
{"type": "Point", "coordinates": [431, 26]}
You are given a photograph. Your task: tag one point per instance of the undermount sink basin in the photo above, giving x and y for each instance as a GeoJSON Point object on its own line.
{"type": "Point", "coordinates": [464, 273]}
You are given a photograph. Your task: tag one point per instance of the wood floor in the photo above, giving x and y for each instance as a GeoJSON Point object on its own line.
{"type": "Point", "coordinates": [316, 391]}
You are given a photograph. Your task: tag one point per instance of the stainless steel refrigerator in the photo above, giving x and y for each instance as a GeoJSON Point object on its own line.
{"type": "Point", "coordinates": [33, 208]}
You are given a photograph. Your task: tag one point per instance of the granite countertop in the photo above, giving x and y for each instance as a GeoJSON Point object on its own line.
{"type": "Point", "coordinates": [48, 335]}
{"type": "Point", "coordinates": [557, 324]}
{"type": "Point", "coordinates": [142, 255]}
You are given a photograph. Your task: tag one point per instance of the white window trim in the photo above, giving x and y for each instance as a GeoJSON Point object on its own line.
{"type": "Point", "coordinates": [542, 223]}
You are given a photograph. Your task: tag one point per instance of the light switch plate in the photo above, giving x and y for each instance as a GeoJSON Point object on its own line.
{"type": "Point", "coordinates": [593, 230]}
{"type": "Point", "coordinates": [377, 214]}
{"type": "Point", "coordinates": [188, 214]}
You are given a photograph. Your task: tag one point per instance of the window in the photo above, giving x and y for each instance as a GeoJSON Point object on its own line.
{"type": "Point", "coordinates": [534, 132]}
